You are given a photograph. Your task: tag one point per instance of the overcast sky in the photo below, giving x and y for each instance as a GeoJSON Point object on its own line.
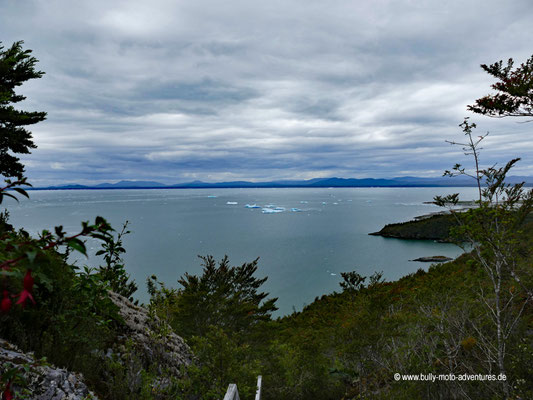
{"type": "Point", "coordinates": [175, 91]}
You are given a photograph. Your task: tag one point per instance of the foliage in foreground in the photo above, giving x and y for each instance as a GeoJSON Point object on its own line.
{"type": "Point", "coordinates": [70, 319]}
{"type": "Point", "coordinates": [47, 305]}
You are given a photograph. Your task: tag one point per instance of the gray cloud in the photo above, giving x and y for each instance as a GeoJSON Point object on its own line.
{"type": "Point", "coordinates": [209, 90]}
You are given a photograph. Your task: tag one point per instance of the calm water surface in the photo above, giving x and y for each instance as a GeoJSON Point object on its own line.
{"type": "Point", "coordinates": [301, 251]}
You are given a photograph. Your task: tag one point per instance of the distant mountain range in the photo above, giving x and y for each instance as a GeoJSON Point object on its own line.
{"type": "Point", "coordinates": [406, 181]}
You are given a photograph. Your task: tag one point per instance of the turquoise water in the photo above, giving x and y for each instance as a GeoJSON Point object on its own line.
{"type": "Point", "coordinates": [302, 251]}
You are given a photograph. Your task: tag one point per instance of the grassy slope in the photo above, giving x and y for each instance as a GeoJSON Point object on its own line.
{"type": "Point", "coordinates": [365, 335]}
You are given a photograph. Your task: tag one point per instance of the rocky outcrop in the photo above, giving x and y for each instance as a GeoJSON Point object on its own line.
{"type": "Point", "coordinates": [144, 342]}
{"type": "Point", "coordinates": [433, 259]}
{"type": "Point", "coordinates": [433, 227]}
{"type": "Point", "coordinates": [151, 340]}
{"type": "Point", "coordinates": [44, 382]}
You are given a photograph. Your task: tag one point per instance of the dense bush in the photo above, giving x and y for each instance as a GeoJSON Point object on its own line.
{"type": "Point", "coordinates": [69, 318]}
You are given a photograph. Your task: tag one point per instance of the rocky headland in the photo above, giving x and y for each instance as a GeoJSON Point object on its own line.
{"type": "Point", "coordinates": [430, 227]}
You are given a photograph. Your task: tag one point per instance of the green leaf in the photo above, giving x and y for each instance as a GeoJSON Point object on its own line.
{"type": "Point", "coordinates": [10, 195]}
{"type": "Point", "coordinates": [47, 283]}
{"type": "Point", "coordinates": [22, 192]}
{"type": "Point", "coordinates": [59, 231]}
{"type": "Point", "coordinates": [78, 245]}
{"type": "Point", "coordinates": [14, 273]}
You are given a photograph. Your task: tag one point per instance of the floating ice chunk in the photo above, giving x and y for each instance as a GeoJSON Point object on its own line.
{"type": "Point", "coordinates": [332, 274]}
{"type": "Point", "coordinates": [336, 203]}
{"type": "Point", "coordinates": [272, 210]}
{"type": "Point", "coordinates": [324, 203]}
{"type": "Point", "coordinates": [211, 196]}
{"type": "Point", "coordinates": [304, 202]}
{"type": "Point", "coordinates": [231, 203]}
{"type": "Point", "coordinates": [295, 210]}
{"type": "Point", "coordinates": [252, 206]}
{"type": "Point", "coordinates": [269, 206]}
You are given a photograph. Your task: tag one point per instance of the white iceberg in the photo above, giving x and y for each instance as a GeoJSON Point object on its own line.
{"type": "Point", "coordinates": [296, 210]}
{"type": "Point", "coordinates": [252, 206]}
{"type": "Point", "coordinates": [231, 203]}
{"type": "Point", "coordinates": [272, 210]}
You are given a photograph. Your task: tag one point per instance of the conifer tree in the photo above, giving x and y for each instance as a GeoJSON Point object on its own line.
{"type": "Point", "coordinates": [514, 91]}
{"type": "Point", "coordinates": [16, 67]}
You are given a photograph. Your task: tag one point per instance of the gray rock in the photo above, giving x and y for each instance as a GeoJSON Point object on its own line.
{"type": "Point", "coordinates": [45, 382]}
{"type": "Point", "coordinates": [153, 341]}
{"type": "Point", "coordinates": [433, 259]}
{"type": "Point", "coordinates": [144, 342]}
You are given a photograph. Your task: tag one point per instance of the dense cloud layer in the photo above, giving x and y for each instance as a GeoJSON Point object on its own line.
{"type": "Point", "coordinates": [176, 91]}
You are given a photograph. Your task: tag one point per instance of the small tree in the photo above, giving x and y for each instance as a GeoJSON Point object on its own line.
{"type": "Point", "coordinates": [470, 148]}
{"type": "Point", "coordinates": [16, 67]}
{"type": "Point", "coordinates": [492, 232]}
{"type": "Point", "coordinates": [224, 317]}
{"type": "Point", "coordinates": [224, 296]}
{"type": "Point", "coordinates": [514, 91]}
{"type": "Point", "coordinates": [114, 271]}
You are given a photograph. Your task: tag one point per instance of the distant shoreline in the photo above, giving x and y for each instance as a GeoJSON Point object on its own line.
{"type": "Point", "coordinates": [245, 187]}
{"type": "Point", "coordinates": [254, 186]}
{"type": "Point", "coordinates": [398, 182]}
